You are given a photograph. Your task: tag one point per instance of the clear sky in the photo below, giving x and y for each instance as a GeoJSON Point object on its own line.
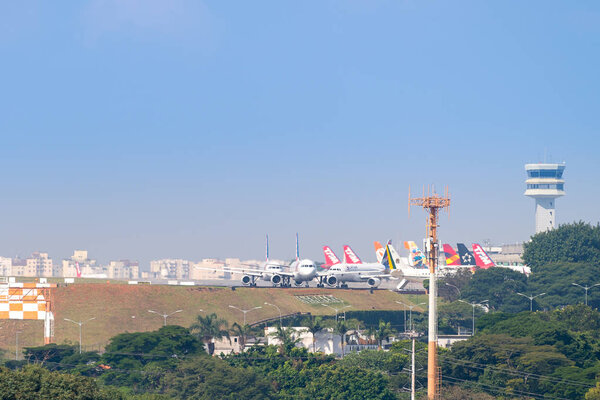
{"type": "Point", "coordinates": [145, 129]}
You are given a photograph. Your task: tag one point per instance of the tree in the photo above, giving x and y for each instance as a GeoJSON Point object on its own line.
{"type": "Point", "coordinates": [210, 328]}
{"type": "Point", "coordinates": [384, 331]}
{"type": "Point", "coordinates": [286, 337]}
{"type": "Point", "coordinates": [500, 287]}
{"type": "Point", "coordinates": [210, 378]}
{"type": "Point", "coordinates": [314, 325]}
{"type": "Point", "coordinates": [577, 242]}
{"type": "Point", "coordinates": [242, 332]}
{"type": "Point", "coordinates": [35, 382]}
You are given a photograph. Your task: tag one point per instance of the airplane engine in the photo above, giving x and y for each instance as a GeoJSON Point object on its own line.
{"type": "Point", "coordinates": [246, 280]}
{"type": "Point", "coordinates": [331, 280]}
{"type": "Point", "coordinates": [276, 279]}
{"type": "Point", "coordinates": [298, 283]}
{"type": "Point", "coordinates": [374, 282]}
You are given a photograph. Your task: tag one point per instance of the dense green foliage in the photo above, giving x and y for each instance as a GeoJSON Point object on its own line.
{"type": "Point", "coordinates": [555, 353]}
{"type": "Point", "coordinates": [35, 382]}
{"type": "Point", "coordinates": [569, 243]}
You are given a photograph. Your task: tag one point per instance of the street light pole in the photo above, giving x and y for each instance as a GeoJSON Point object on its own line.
{"type": "Point", "coordinates": [165, 316]}
{"type": "Point", "coordinates": [531, 299]}
{"type": "Point", "coordinates": [244, 311]}
{"type": "Point", "coordinates": [455, 287]}
{"type": "Point", "coordinates": [411, 308]}
{"type": "Point", "coordinates": [17, 345]}
{"type": "Point", "coordinates": [586, 288]}
{"type": "Point", "coordinates": [80, 323]}
{"type": "Point", "coordinates": [278, 309]}
{"type": "Point", "coordinates": [473, 305]}
{"type": "Point", "coordinates": [337, 310]}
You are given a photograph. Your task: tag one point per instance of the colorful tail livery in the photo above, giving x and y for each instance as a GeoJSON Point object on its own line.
{"type": "Point", "coordinates": [451, 257]}
{"type": "Point", "coordinates": [379, 251]}
{"type": "Point", "coordinates": [77, 270]}
{"type": "Point", "coordinates": [482, 260]}
{"type": "Point", "coordinates": [350, 256]}
{"type": "Point", "coordinates": [330, 257]}
{"type": "Point", "coordinates": [388, 259]}
{"type": "Point", "coordinates": [416, 258]}
{"type": "Point", "coordinates": [466, 258]}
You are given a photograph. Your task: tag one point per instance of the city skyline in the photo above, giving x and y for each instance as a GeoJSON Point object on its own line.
{"type": "Point", "coordinates": [192, 129]}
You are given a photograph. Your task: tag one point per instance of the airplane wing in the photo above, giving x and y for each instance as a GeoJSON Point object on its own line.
{"type": "Point", "coordinates": [247, 271]}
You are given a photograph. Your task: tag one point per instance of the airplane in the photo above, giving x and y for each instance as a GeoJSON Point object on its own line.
{"type": "Point", "coordinates": [330, 258]}
{"type": "Point", "coordinates": [299, 271]}
{"type": "Point", "coordinates": [479, 259]}
{"type": "Point", "coordinates": [380, 251]}
{"type": "Point", "coordinates": [403, 264]}
{"type": "Point", "coordinates": [482, 260]}
{"type": "Point", "coordinates": [416, 258]}
{"type": "Point", "coordinates": [452, 259]}
{"type": "Point", "coordinates": [466, 258]}
{"type": "Point", "coordinates": [342, 272]}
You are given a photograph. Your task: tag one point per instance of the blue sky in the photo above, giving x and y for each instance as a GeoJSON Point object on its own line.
{"type": "Point", "coordinates": [149, 129]}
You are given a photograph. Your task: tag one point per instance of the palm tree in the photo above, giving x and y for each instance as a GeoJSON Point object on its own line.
{"type": "Point", "coordinates": [210, 328]}
{"type": "Point", "coordinates": [314, 325]}
{"type": "Point", "coordinates": [341, 329]}
{"type": "Point", "coordinates": [242, 332]}
{"type": "Point", "coordinates": [286, 337]}
{"type": "Point", "coordinates": [383, 332]}
{"type": "Point", "coordinates": [371, 332]}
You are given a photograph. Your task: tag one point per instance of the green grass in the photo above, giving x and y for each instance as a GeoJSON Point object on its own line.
{"type": "Point", "coordinates": [124, 308]}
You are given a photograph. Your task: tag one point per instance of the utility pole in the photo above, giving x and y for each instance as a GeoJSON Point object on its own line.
{"type": "Point", "coordinates": [432, 203]}
{"type": "Point", "coordinates": [586, 288]}
{"type": "Point", "coordinates": [413, 371]}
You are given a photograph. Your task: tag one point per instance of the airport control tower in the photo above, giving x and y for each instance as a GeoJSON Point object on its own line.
{"type": "Point", "coordinates": [545, 184]}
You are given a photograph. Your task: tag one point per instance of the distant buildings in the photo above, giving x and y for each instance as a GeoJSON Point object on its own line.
{"type": "Point", "coordinates": [170, 269]}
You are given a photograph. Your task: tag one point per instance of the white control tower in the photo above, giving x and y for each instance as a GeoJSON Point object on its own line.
{"type": "Point", "coordinates": [545, 184]}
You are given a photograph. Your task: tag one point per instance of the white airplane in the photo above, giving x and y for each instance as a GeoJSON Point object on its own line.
{"type": "Point", "coordinates": [402, 263]}
{"type": "Point", "coordinates": [299, 271]}
{"type": "Point", "coordinates": [353, 270]}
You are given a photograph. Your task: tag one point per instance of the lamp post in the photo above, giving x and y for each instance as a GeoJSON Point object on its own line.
{"type": "Point", "coordinates": [586, 288]}
{"type": "Point", "coordinates": [17, 345]}
{"type": "Point", "coordinates": [410, 307]}
{"type": "Point", "coordinates": [165, 316]}
{"type": "Point", "coordinates": [473, 305]}
{"type": "Point", "coordinates": [531, 299]}
{"type": "Point", "coordinates": [245, 311]}
{"type": "Point", "coordinates": [80, 323]}
{"type": "Point", "coordinates": [455, 287]}
{"type": "Point", "coordinates": [278, 309]}
{"type": "Point", "coordinates": [337, 310]}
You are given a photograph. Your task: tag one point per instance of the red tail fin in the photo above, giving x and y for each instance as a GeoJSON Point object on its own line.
{"type": "Point", "coordinates": [482, 260]}
{"type": "Point", "coordinates": [330, 257]}
{"type": "Point", "coordinates": [451, 257]}
{"type": "Point", "coordinates": [350, 257]}
{"type": "Point", "coordinates": [77, 270]}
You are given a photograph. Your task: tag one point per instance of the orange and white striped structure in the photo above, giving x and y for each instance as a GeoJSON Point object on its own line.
{"type": "Point", "coordinates": [28, 301]}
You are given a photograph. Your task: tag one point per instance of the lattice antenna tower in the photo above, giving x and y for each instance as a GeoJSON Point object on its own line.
{"type": "Point", "coordinates": [432, 203]}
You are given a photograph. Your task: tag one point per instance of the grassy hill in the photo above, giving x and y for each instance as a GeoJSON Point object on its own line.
{"type": "Point", "coordinates": [124, 308]}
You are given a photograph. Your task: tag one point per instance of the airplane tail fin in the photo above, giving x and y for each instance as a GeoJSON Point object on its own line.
{"type": "Point", "coordinates": [379, 251]}
{"type": "Point", "coordinates": [388, 259]}
{"type": "Point", "coordinates": [451, 257]}
{"type": "Point", "coordinates": [466, 258]}
{"type": "Point", "coordinates": [77, 270]}
{"type": "Point", "coordinates": [267, 248]}
{"type": "Point", "coordinates": [330, 257]}
{"type": "Point", "coordinates": [482, 259]}
{"type": "Point", "coordinates": [416, 258]}
{"type": "Point", "coordinates": [350, 256]}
